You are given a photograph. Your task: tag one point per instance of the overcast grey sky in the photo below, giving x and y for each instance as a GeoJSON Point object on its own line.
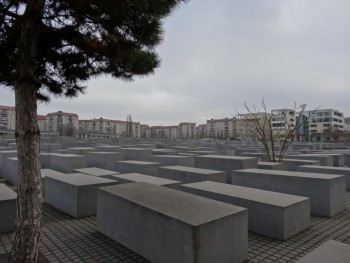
{"type": "Point", "coordinates": [216, 55]}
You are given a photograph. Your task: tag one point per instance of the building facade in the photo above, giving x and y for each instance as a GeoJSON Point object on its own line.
{"type": "Point", "coordinates": [62, 123]}
{"type": "Point", "coordinates": [186, 130]}
{"type": "Point", "coordinates": [323, 123]}
{"type": "Point", "coordinates": [222, 128]}
{"type": "Point", "coordinates": [7, 118]}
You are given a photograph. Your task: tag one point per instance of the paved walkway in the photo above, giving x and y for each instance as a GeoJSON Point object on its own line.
{"type": "Point", "coordinates": [76, 240]}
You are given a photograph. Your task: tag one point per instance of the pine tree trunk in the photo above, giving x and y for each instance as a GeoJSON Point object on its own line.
{"type": "Point", "coordinates": [29, 193]}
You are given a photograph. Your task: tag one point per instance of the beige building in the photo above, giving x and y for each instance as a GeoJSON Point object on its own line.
{"type": "Point", "coordinates": [63, 123]}
{"type": "Point", "coordinates": [283, 120]}
{"type": "Point", "coordinates": [202, 131]}
{"type": "Point", "coordinates": [222, 128]}
{"type": "Point", "coordinates": [186, 130]}
{"type": "Point", "coordinates": [112, 128]}
{"type": "Point", "coordinates": [7, 118]}
{"type": "Point", "coordinates": [246, 129]}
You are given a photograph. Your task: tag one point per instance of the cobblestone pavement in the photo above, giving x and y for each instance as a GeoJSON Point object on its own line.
{"type": "Point", "coordinates": [76, 240]}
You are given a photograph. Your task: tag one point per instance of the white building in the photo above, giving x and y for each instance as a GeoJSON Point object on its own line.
{"type": "Point", "coordinates": [62, 122]}
{"type": "Point", "coordinates": [323, 122]}
{"type": "Point", "coordinates": [283, 120]}
{"type": "Point", "coordinates": [7, 118]}
{"type": "Point", "coordinates": [246, 125]}
{"type": "Point", "coordinates": [42, 122]}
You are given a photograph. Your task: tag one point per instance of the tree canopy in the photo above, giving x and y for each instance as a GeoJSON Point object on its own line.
{"type": "Point", "coordinates": [79, 39]}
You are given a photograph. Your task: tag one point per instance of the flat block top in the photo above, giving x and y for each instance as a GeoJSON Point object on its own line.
{"type": "Point", "coordinates": [188, 208]}
{"type": "Point", "coordinates": [290, 173]}
{"type": "Point", "coordinates": [138, 149]}
{"type": "Point", "coordinates": [310, 155]}
{"type": "Point", "coordinates": [330, 168]}
{"type": "Point", "coordinates": [95, 171]}
{"type": "Point", "coordinates": [79, 179]}
{"type": "Point", "coordinates": [137, 177]}
{"type": "Point", "coordinates": [6, 193]}
{"type": "Point", "coordinates": [48, 172]}
{"type": "Point", "coordinates": [300, 161]}
{"type": "Point", "coordinates": [170, 157]}
{"type": "Point", "coordinates": [252, 194]}
{"type": "Point", "coordinates": [269, 163]}
{"type": "Point", "coordinates": [138, 162]}
{"type": "Point", "coordinates": [227, 157]}
{"type": "Point", "coordinates": [190, 169]}
{"type": "Point", "coordinates": [67, 155]}
{"type": "Point", "coordinates": [81, 148]}
{"type": "Point", "coordinates": [8, 152]}
{"type": "Point", "coordinates": [331, 251]}
{"type": "Point", "coordinates": [104, 153]}
{"type": "Point", "coordinates": [13, 158]}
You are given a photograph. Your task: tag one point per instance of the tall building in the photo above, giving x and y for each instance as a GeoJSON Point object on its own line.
{"type": "Point", "coordinates": [323, 122]}
{"type": "Point", "coordinates": [63, 123]}
{"type": "Point", "coordinates": [42, 122]}
{"type": "Point", "coordinates": [283, 120]}
{"type": "Point", "coordinates": [246, 125]}
{"type": "Point", "coordinates": [347, 123]}
{"type": "Point", "coordinates": [222, 128]}
{"type": "Point", "coordinates": [186, 130]}
{"type": "Point", "coordinates": [7, 118]}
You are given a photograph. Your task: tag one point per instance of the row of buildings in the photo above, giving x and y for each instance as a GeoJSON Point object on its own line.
{"type": "Point", "coordinates": [315, 125]}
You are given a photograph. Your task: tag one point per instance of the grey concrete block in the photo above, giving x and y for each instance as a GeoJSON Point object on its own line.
{"type": "Point", "coordinates": [11, 165]}
{"type": "Point", "coordinates": [270, 166]}
{"type": "Point", "coordinates": [345, 171]}
{"type": "Point", "coordinates": [74, 194]}
{"type": "Point", "coordinates": [139, 154]}
{"type": "Point", "coordinates": [225, 163]}
{"type": "Point", "coordinates": [107, 148]}
{"type": "Point", "coordinates": [326, 191]}
{"type": "Point", "coordinates": [330, 252]}
{"type": "Point", "coordinates": [95, 171]}
{"type": "Point", "coordinates": [293, 164]}
{"type": "Point", "coordinates": [80, 150]}
{"type": "Point", "coordinates": [169, 226]}
{"type": "Point", "coordinates": [66, 163]}
{"type": "Point", "coordinates": [168, 160]}
{"type": "Point", "coordinates": [8, 209]}
{"type": "Point", "coordinates": [137, 177]}
{"type": "Point", "coordinates": [190, 175]}
{"type": "Point", "coordinates": [3, 156]}
{"type": "Point", "coordinates": [131, 166]}
{"type": "Point", "coordinates": [325, 160]}
{"type": "Point", "coordinates": [104, 160]}
{"type": "Point", "coordinates": [272, 214]}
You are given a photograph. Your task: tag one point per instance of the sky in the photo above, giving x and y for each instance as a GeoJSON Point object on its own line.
{"type": "Point", "coordinates": [218, 55]}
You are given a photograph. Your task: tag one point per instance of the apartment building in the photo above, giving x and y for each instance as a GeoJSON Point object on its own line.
{"type": "Point", "coordinates": [222, 128]}
{"type": "Point", "coordinates": [202, 131]}
{"type": "Point", "coordinates": [186, 130]}
{"type": "Point", "coordinates": [7, 118]}
{"type": "Point", "coordinates": [246, 131]}
{"type": "Point", "coordinates": [283, 120]}
{"type": "Point", "coordinates": [108, 128]}
{"type": "Point", "coordinates": [42, 122]}
{"type": "Point", "coordinates": [347, 123]}
{"type": "Point", "coordinates": [323, 122]}
{"type": "Point", "coordinates": [63, 123]}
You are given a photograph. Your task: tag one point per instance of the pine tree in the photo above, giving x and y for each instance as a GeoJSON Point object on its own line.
{"type": "Point", "coordinates": [50, 47]}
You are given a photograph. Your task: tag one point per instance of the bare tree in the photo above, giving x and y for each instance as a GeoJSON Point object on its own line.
{"type": "Point", "coordinates": [275, 130]}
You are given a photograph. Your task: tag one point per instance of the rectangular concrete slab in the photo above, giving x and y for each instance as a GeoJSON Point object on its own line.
{"type": "Point", "coordinates": [137, 177]}
{"type": "Point", "coordinates": [345, 171]}
{"type": "Point", "coordinates": [66, 163]}
{"type": "Point", "coordinates": [133, 166]}
{"type": "Point", "coordinates": [326, 191]}
{"type": "Point", "coordinates": [270, 166]}
{"type": "Point", "coordinates": [293, 164]}
{"type": "Point", "coordinates": [225, 163]}
{"type": "Point", "coordinates": [169, 226]}
{"type": "Point", "coordinates": [272, 214]}
{"type": "Point", "coordinates": [187, 175]}
{"type": "Point", "coordinates": [74, 194]}
{"type": "Point", "coordinates": [104, 160]}
{"type": "Point", "coordinates": [330, 252]}
{"type": "Point", "coordinates": [95, 171]}
{"type": "Point", "coordinates": [8, 209]}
